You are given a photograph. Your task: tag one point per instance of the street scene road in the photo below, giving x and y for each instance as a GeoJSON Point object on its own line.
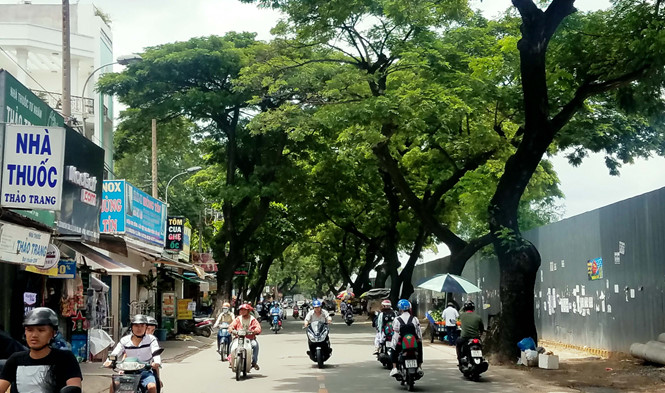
{"type": "Point", "coordinates": [285, 367]}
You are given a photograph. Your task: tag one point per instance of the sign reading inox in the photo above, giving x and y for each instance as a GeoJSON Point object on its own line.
{"type": "Point", "coordinates": [32, 164]}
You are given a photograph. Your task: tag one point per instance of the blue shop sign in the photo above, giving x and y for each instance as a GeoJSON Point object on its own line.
{"type": "Point", "coordinates": [128, 210]}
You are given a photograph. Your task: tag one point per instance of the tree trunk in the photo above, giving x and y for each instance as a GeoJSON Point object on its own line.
{"type": "Point", "coordinates": [406, 276]}
{"type": "Point", "coordinates": [255, 292]}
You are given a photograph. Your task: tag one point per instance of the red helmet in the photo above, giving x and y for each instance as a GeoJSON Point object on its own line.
{"type": "Point", "coordinates": [386, 304]}
{"type": "Point", "coordinates": [246, 307]}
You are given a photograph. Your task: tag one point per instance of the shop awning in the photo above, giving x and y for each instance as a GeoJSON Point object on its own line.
{"type": "Point", "coordinates": [181, 277]}
{"type": "Point", "coordinates": [179, 265]}
{"type": "Point", "coordinates": [98, 261]}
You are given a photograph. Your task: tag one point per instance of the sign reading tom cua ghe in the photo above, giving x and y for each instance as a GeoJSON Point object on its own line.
{"type": "Point", "coordinates": [175, 228]}
{"type": "Point", "coordinates": [32, 168]}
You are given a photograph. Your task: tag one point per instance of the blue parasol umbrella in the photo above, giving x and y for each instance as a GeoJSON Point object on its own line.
{"type": "Point", "coordinates": [448, 283]}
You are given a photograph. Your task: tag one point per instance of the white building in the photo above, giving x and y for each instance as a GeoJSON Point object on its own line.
{"type": "Point", "coordinates": [31, 50]}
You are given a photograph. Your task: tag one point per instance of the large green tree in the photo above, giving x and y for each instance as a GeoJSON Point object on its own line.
{"type": "Point", "coordinates": [588, 81]}
{"type": "Point", "coordinates": [197, 79]}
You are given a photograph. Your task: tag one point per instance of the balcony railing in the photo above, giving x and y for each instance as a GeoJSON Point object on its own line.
{"type": "Point", "coordinates": [80, 105]}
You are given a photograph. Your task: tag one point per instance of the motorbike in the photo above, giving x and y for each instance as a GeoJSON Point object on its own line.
{"type": "Point", "coordinates": [407, 365]}
{"type": "Point", "coordinates": [348, 316]}
{"type": "Point", "coordinates": [472, 363]}
{"type": "Point", "coordinates": [200, 326]}
{"type": "Point", "coordinates": [276, 323]}
{"type": "Point", "coordinates": [319, 344]}
{"type": "Point", "coordinates": [128, 374]}
{"type": "Point", "coordinates": [223, 340]}
{"type": "Point", "coordinates": [384, 355]}
{"type": "Point", "coordinates": [295, 312]}
{"type": "Point", "coordinates": [304, 309]}
{"type": "Point", "coordinates": [241, 355]}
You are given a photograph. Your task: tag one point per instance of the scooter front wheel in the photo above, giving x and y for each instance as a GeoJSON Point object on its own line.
{"type": "Point", "coordinates": [239, 363]}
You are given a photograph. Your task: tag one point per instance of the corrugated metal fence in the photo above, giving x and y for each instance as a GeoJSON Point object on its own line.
{"type": "Point", "coordinates": [602, 277]}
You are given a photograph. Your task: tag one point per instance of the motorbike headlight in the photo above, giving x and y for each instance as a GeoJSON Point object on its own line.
{"type": "Point", "coordinates": [311, 336]}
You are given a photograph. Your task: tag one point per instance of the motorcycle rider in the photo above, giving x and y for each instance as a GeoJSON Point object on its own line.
{"type": "Point", "coordinates": [225, 316]}
{"type": "Point", "coordinates": [385, 317]}
{"type": "Point", "coordinates": [275, 310]}
{"type": "Point", "coordinates": [251, 325]}
{"type": "Point", "coordinates": [402, 325]}
{"type": "Point", "coordinates": [140, 345]}
{"type": "Point", "coordinates": [41, 369]}
{"type": "Point", "coordinates": [472, 327]}
{"type": "Point", "coordinates": [151, 325]}
{"type": "Point", "coordinates": [317, 314]}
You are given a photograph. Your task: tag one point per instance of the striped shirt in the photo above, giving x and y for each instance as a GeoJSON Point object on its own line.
{"type": "Point", "coordinates": [143, 351]}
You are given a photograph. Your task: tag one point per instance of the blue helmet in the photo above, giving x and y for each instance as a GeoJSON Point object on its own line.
{"type": "Point", "coordinates": [316, 303]}
{"type": "Point", "coordinates": [403, 305]}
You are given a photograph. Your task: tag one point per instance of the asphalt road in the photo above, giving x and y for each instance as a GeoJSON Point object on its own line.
{"type": "Point", "coordinates": [285, 367]}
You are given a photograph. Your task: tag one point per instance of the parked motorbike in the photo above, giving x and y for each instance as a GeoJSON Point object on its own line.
{"type": "Point", "coordinates": [128, 374]}
{"type": "Point", "coordinates": [223, 341]}
{"type": "Point", "coordinates": [384, 355]}
{"type": "Point", "coordinates": [348, 316]}
{"type": "Point", "coordinates": [241, 355]}
{"type": "Point", "coordinates": [407, 365]}
{"type": "Point", "coordinates": [200, 326]}
{"type": "Point", "coordinates": [295, 312]}
{"type": "Point", "coordinates": [276, 323]}
{"type": "Point", "coordinates": [319, 343]}
{"type": "Point", "coordinates": [472, 363]}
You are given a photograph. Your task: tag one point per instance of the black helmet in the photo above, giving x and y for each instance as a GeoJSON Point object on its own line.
{"type": "Point", "coordinates": [151, 321]}
{"type": "Point", "coordinates": [138, 319]}
{"type": "Point", "coordinates": [41, 316]}
{"type": "Point", "coordinates": [469, 305]}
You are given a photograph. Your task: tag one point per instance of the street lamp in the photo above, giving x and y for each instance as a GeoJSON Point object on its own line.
{"type": "Point", "coordinates": [122, 60]}
{"type": "Point", "coordinates": [188, 170]}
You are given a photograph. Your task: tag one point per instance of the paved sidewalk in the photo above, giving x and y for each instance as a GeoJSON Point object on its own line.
{"type": "Point", "coordinates": [97, 379]}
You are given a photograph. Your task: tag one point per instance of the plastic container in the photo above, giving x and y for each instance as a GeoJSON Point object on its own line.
{"type": "Point", "coordinates": [160, 334]}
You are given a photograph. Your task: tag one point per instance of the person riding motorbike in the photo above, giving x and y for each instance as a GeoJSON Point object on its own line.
{"type": "Point", "coordinates": [472, 327]}
{"type": "Point", "coordinates": [225, 316]}
{"type": "Point", "coordinates": [402, 325]}
{"type": "Point", "coordinates": [251, 325]}
{"type": "Point", "coordinates": [385, 317]}
{"type": "Point", "coordinates": [139, 345]}
{"type": "Point", "coordinates": [41, 369]}
{"type": "Point", "coordinates": [151, 325]}
{"type": "Point", "coordinates": [317, 314]}
{"type": "Point", "coordinates": [275, 310]}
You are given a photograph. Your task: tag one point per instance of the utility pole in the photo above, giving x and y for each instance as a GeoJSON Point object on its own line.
{"type": "Point", "coordinates": [154, 159]}
{"type": "Point", "coordinates": [66, 65]}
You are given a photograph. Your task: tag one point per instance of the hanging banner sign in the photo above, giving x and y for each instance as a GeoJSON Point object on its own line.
{"type": "Point", "coordinates": [23, 245]}
{"type": "Point", "coordinates": [168, 304]}
{"type": "Point", "coordinates": [175, 228]}
{"type": "Point", "coordinates": [32, 169]}
{"type": "Point", "coordinates": [128, 210]}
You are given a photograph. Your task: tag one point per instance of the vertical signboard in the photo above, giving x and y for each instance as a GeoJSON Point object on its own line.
{"type": "Point", "coordinates": [32, 167]}
{"type": "Point", "coordinates": [184, 253]}
{"type": "Point", "coordinates": [175, 230]}
{"type": "Point", "coordinates": [145, 216]}
{"type": "Point", "coordinates": [112, 216]}
{"type": "Point", "coordinates": [82, 187]}
{"type": "Point", "coordinates": [19, 105]}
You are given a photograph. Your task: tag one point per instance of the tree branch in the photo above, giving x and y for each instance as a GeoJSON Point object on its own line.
{"type": "Point", "coordinates": [589, 89]}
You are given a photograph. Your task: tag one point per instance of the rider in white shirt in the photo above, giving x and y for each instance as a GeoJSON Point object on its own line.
{"type": "Point", "coordinates": [317, 314]}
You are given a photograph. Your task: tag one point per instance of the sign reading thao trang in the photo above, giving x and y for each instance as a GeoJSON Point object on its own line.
{"type": "Point", "coordinates": [32, 168]}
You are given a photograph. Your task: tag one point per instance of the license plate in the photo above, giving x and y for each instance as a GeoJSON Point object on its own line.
{"type": "Point", "coordinates": [410, 363]}
{"type": "Point", "coordinates": [477, 354]}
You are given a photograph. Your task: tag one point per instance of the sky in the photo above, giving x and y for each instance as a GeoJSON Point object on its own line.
{"type": "Point", "coordinates": [137, 24]}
